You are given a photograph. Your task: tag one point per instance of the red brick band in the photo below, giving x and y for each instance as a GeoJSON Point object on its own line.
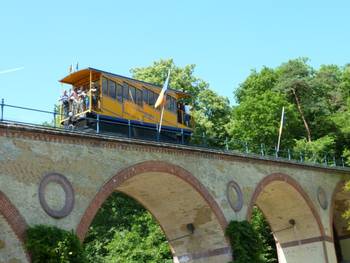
{"type": "Point", "coordinates": [307, 241]}
{"type": "Point", "coordinates": [147, 166]}
{"type": "Point", "coordinates": [14, 219]}
{"type": "Point", "coordinates": [205, 254]}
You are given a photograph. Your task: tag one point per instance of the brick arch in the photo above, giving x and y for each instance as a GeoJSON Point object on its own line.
{"type": "Point", "coordinates": [296, 186]}
{"type": "Point", "coordinates": [292, 182]}
{"type": "Point", "coordinates": [139, 168]}
{"type": "Point", "coordinates": [14, 219]}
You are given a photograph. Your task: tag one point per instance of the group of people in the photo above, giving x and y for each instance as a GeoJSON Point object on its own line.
{"type": "Point", "coordinates": [77, 100]}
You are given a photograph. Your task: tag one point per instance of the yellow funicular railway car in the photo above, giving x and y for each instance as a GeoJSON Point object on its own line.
{"type": "Point", "coordinates": [113, 103]}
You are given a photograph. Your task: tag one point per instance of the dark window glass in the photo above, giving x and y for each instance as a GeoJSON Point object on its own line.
{"type": "Point", "coordinates": [120, 92]}
{"type": "Point", "coordinates": [145, 95]}
{"type": "Point", "coordinates": [174, 105]}
{"type": "Point", "coordinates": [112, 89]}
{"type": "Point", "coordinates": [132, 93]}
{"type": "Point", "coordinates": [104, 86]}
{"type": "Point", "coordinates": [139, 97]}
{"type": "Point", "coordinates": [125, 92]}
{"type": "Point", "coordinates": [152, 98]}
{"type": "Point", "coordinates": [171, 100]}
{"type": "Point", "coordinates": [167, 103]}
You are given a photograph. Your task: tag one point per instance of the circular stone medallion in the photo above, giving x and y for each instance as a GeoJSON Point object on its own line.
{"type": "Point", "coordinates": [322, 197]}
{"type": "Point", "coordinates": [234, 196]}
{"type": "Point", "coordinates": [57, 180]}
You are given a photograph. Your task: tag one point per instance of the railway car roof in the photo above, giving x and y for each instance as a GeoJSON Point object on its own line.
{"type": "Point", "coordinates": [84, 73]}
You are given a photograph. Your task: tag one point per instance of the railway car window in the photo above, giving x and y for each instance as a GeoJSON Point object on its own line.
{"type": "Point", "coordinates": [119, 92]}
{"type": "Point", "coordinates": [145, 95]}
{"type": "Point", "coordinates": [152, 98]}
{"type": "Point", "coordinates": [139, 97]}
{"type": "Point", "coordinates": [173, 105]}
{"type": "Point", "coordinates": [104, 86]}
{"type": "Point", "coordinates": [167, 103]}
{"type": "Point", "coordinates": [112, 89]}
{"type": "Point", "coordinates": [132, 94]}
{"type": "Point", "coordinates": [125, 92]}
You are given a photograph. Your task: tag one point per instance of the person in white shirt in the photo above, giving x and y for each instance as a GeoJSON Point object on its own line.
{"type": "Point", "coordinates": [187, 114]}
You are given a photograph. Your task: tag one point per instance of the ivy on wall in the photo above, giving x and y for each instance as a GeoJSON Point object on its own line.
{"type": "Point", "coordinates": [53, 245]}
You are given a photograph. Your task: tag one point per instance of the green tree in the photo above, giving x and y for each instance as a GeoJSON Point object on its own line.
{"type": "Point", "coordinates": [123, 228]}
{"type": "Point", "coordinates": [257, 83]}
{"type": "Point", "coordinates": [261, 226]}
{"type": "Point", "coordinates": [257, 119]}
{"type": "Point", "coordinates": [181, 78]}
{"type": "Point", "coordinates": [144, 242]}
{"type": "Point", "coordinates": [294, 81]}
{"type": "Point", "coordinates": [245, 242]}
{"type": "Point", "coordinates": [211, 116]}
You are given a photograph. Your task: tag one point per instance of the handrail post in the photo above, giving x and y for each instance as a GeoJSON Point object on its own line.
{"type": "Point", "coordinates": [204, 140]}
{"type": "Point", "coordinates": [158, 133]}
{"type": "Point", "coordinates": [54, 116]}
{"type": "Point", "coordinates": [262, 149]}
{"type": "Point", "coordinates": [182, 136]}
{"type": "Point", "coordinates": [2, 109]}
{"type": "Point", "coordinates": [98, 123]}
{"type": "Point", "coordinates": [129, 129]}
{"type": "Point", "coordinates": [289, 155]}
{"type": "Point", "coordinates": [226, 144]}
{"type": "Point", "coordinates": [276, 151]}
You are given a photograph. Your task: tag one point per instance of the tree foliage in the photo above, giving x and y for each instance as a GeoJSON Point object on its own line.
{"type": "Point", "coordinates": [256, 121]}
{"type": "Point", "coordinates": [261, 226]}
{"type": "Point", "coordinates": [181, 78]}
{"type": "Point", "coordinates": [124, 231]}
{"type": "Point", "coordinates": [245, 242]}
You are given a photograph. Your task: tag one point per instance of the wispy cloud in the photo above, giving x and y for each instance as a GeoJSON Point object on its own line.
{"type": "Point", "coordinates": [10, 70]}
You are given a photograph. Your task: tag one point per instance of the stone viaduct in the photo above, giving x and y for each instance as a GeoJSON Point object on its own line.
{"type": "Point", "coordinates": [60, 178]}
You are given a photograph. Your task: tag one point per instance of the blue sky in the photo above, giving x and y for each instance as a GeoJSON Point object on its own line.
{"type": "Point", "coordinates": [225, 39]}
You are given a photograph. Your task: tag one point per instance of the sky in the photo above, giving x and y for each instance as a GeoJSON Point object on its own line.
{"type": "Point", "coordinates": [224, 39]}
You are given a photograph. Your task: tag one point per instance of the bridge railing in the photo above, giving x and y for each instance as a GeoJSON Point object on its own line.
{"type": "Point", "coordinates": [30, 116]}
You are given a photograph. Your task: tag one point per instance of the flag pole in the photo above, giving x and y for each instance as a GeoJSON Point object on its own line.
{"type": "Point", "coordinates": [280, 131]}
{"type": "Point", "coordinates": [161, 118]}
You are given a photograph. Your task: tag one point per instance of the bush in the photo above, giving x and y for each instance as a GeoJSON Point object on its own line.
{"type": "Point", "coordinates": [245, 242]}
{"type": "Point", "coordinates": [53, 245]}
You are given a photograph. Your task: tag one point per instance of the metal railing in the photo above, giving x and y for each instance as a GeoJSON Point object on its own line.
{"type": "Point", "coordinates": [141, 132]}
